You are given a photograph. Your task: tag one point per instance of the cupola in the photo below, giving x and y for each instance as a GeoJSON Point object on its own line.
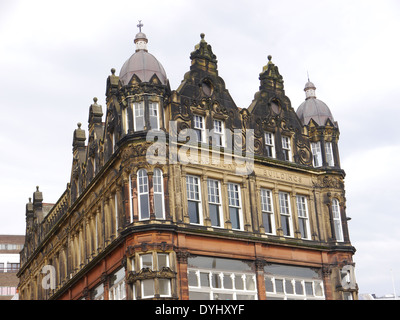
{"type": "Point", "coordinates": [313, 108]}
{"type": "Point", "coordinates": [142, 63]}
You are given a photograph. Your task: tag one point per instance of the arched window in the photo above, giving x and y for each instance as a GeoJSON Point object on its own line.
{"type": "Point", "coordinates": [143, 195]}
{"type": "Point", "coordinates": [337, 220]}
{"type": "Point", "coordinates": [158, 194]}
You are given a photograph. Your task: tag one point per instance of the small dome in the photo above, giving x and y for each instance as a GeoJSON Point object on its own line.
{"type": "Point", "coordinates": [144, 65]}
{"type": "Point", "coordinates": [313, 108]}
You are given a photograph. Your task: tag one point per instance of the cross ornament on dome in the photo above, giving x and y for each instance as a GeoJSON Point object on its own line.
{"type": "Point", "coordinates": [140, 25]}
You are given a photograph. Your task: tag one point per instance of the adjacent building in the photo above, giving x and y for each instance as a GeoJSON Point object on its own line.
{"type": "Point", "coordinates": [181, 194]}
{"type": "Point", "coordinates": [10, 247]}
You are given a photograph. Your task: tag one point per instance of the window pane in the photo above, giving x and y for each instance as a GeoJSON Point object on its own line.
{"type": "Point", "coordinates": [199, 295]}
{"type": "Point", "coordinates": [144, 206]}
{"type": "Point", "coordinates": [193, 210]}
{"type": "Point", "coordinates": [234, 216]}
{"type": "Point", "coordinates": [192, 279]}
{"type": "Point", "coordinates": [250, 283]}
{"type": "Point", "coordinates": [223, 296]}
{"type": "Point", "coordinates": [267, 222]}
{"type": "Point", "coordinates": [279, 285]}
{"type": "Point", "coordinates": [228, 281]}
{"type": "Point", "coordinates": [214, 215]}
{"type": "Point", "coordinates": [239, 282]}
{"type": "Point", "coordinates": [139, 116]}
{"type": "Point", "coordinates": [148, 287]}
{"type": "Point", "coordinates": [289, 286]}
{"type": "Point", "coordinates": [285, 225]}
{"type": "Point", "coordinates": [158, 206]}
{"type": "Point", "coordinates": [204, 279]}
{"type": "Point", "coordinates": [299, 287]}
{"type": "Point", "coordinates": [162, 260]}
{"type": "Point", "coordinates": [216, 280]}
{"type": "Point", "coordinates": [147, 260]}
{"type": "Point", "coordinates": [165, 287]}
{"type": "Point", "coordinates": [269, 287]}
{"type": "Point", "coordinates": [153, 115]}
{"type": "Point", "coordinates": [309, 288]}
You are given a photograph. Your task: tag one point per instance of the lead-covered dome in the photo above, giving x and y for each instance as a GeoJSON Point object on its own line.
{"type": "Point", "coordinates": [142, 63]}
{"type": "Point", "coordinates": [313, 108]}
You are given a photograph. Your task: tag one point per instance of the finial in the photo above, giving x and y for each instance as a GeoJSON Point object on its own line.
{"type": "Point", "coordinates": [269, 57]}
{"type": "Point", "coordinates": [113, 71]}
{"type": "Point", "coordinates": [308, 76]}
{"type": "Point", "coordinates": [140, 25]}
{"type": "Point", "coordinates": [30, 200]}
{"type": "Point", "coordinates": [95, 100]}
{"type": "Point", "coordinates": [37, 188]}
{"type": "Point", "coordinates": [202, 35]}
{"type": "Point", "coordinates": [79, 125]}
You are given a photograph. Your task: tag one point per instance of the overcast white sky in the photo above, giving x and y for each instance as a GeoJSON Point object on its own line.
{"type": "Point", "coordinates": [55, 56]}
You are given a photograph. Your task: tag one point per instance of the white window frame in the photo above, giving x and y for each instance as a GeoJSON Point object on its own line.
{"type": "Point", "coordinates": [267, 208]}
{"type": "Point", "coordinates": [284, 295]}
{"type": "Point", "coordinates": [143, 190]}
{"type": "Point", "coordinates": [302, 215]}
{"type": "Point", "coordinates": [191, 196]}
{"type": "Point", "coordinates": [317, 154]}
{"type": "Point", "coordinates": [199, 126]}
{"type": "Point", "coordinates": [329, 154]}
{"type": "Point", "coordinates": [235, 203]}
{"type": "Point", "coordinates": [158, 190]}
{"type": "Point", "coordinates": [233, 275]}
{"type": "Point", "coordinates": [286, 148]}
{"type": "Point", "coordinates": [154, 106]}
{"type": "Point", "coordinates": [214, 198]}
{"type": "Point", "coordinates": [285, 211]}
{"type": "Point", "coordinates": [270, 144]}
{"type": "Point", "coordinates": [219, 133]}
{"type": "Point", "coordinates": [337, 220]}
{"type": "Point", "coordinates": [138, 108]}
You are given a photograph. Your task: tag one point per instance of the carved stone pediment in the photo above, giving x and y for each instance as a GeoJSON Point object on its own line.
{"type": "Point", "coordinates": [147, 273]}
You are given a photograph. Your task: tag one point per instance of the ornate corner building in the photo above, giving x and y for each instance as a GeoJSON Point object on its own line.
{"type": "Point", "coordinates": [158, 205]}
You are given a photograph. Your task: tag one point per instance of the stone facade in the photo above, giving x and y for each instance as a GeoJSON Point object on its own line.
{"type": "Point", "coordinates": [156, 211]}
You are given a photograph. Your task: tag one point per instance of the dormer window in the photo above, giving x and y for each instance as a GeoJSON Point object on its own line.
{"type": "Point", "coordinates": [270, 144]}
{"type": "Point", "coordinates": [219, 136]}
{"type": "Point", "coordinates": [286, 149]}
{"type": "Point", "coordinates": [198, 126]}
